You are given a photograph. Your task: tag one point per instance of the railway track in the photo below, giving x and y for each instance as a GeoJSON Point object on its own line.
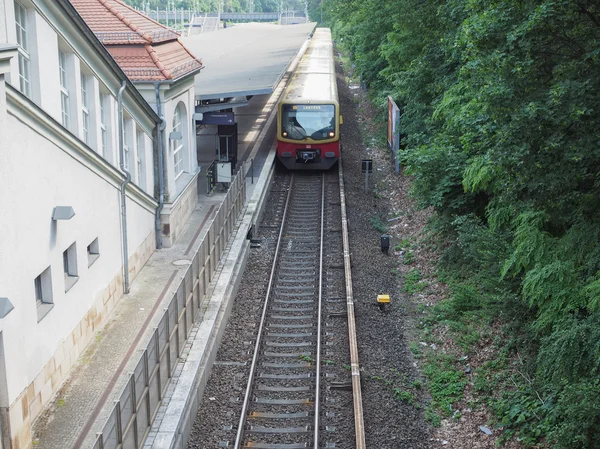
{"type": "Point", "coordinates": [285, 376]}
{"type": "Point", "coordinates": [282, 400]}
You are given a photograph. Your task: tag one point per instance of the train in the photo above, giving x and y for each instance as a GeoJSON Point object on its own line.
{"type": "Point", "coordinates": [308, 112]}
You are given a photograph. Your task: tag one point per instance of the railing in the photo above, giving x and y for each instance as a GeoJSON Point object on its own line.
{"type": "Point", "coordinates": [211, 177]}
{"type": "Point", "coordinates": [186, 15]}
{"type": "Point", "coordinates": [132, 415]}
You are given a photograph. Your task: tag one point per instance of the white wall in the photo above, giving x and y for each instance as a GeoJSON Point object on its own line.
{"type": "Point", "coordinates": [3, 24]}
{"type": "Point", "coordinates": [37, 176]}
{"type": "Point", "coordinates": [43, 166]}
{"type": "Point", "coordinates": [44, 43]}
{"type": "Point", "coordinates": [171, 96]}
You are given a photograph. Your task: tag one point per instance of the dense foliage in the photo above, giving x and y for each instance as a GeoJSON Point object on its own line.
{"type": "Point", "coordinates": [501, 108]}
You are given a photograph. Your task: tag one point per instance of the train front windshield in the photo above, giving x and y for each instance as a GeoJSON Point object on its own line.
{"type": "Point", "coordinates": [302, 121]}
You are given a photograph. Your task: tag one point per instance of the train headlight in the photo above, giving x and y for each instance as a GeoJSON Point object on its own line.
{"type": "Point", "coordinates": [331, 134]}
{"type": "Point", "coordinates": [284, 134]}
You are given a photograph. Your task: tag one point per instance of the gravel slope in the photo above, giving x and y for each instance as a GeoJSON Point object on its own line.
{"type": "Point", "coordinates": [393, 402]}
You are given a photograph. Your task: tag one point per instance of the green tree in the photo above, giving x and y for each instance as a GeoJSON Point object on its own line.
{"type": "Point", "coordinates": [501, 111]}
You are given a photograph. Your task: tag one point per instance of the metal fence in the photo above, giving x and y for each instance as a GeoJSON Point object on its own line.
{"type": "Point", "coordinates": [132, 416]}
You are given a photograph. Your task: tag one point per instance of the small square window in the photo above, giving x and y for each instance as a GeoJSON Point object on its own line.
{"type": "Point", "coordinates": [70, 266]}
{"type": "Point", "coordinates": [43, 293]}
{"type": "Point", "coordinates": [93, 252]}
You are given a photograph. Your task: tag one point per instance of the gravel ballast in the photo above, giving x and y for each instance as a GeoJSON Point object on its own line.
{"type": "Point", "coordinates": [393, 403]}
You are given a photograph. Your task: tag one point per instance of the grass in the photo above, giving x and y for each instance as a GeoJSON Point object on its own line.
{"type": "Point", "coordinates": [416, 349]}
{"type": "Point", "coordinates": [446, 382]}
{"type": "Point", "coordinates": [402, 389]}
{"type": "Point", "coordinates": [433, 417]}
{"type": "Point", "coordinates": [378, 224]}
{"type": "Point", "coordinates": [409, 258]}
{"type": "Point", "coordinates": [404, 396]}
{"type": "Point", "coordinates": [413, 282]}
{"type": "Point", "coordinates": [417, 384]}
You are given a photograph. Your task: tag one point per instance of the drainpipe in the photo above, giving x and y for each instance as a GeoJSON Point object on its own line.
{"type": "Point", "coordinates": [161, 175]}
{"type": "Point", "coordinates": [126, 181]}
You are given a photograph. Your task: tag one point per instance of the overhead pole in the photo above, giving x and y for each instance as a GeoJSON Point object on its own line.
{"type": "Point", "coordinates": [280, 11]}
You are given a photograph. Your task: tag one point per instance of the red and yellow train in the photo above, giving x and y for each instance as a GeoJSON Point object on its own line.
{"type": "Point", "coordinates": [309, 119]}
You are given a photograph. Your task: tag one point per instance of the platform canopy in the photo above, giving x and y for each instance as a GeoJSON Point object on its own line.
{"type": "Point", "coordinates": [245, 59]}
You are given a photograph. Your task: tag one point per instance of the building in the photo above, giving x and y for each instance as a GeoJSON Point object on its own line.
{"type": "Point", "coordinates": [163, 71]}
{"type": "Point", "coordinates": [80, 203]}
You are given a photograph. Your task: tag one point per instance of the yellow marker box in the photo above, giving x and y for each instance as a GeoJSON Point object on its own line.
{"type": "Point", "coordinates": [383, 298]}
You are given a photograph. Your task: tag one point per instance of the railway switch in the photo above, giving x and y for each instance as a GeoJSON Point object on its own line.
{"type": "Point", "coordinates": [385, 243]}
{"type": "Point", "coordinates": [382, 300]}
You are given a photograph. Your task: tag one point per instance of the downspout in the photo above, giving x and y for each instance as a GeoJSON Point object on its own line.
{"type": "Point", "coordinates": [126, 181]}
{"type": "Point", "coordinates": [161, 175]}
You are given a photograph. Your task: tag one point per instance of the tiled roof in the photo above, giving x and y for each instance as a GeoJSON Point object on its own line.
{"type": "Point", "coordinates": [145, 49]}
{"type": "Point", "coordinates": [154, 63]}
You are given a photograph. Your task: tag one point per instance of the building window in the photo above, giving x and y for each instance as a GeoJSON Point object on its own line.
{"type": "Point", "coordinates": [70, 266]}
{"type": "Point", "coordinates": [85, 108]}
{"type": "Point", "coordinates": [93, 252]}
{"type": "Point", "coordinates": [24, 51]}
{"type": "Point", "coordinates": [178, 144]}
{"type": "Point", "coordinates": [141, 160]}
{"type": "Point", "coordinates": [64, 91]}
{"type": "Point", "coordinates": [126, 144]}
{"type": "Point", "coordinates": [103, 133]}
{"type": "Point", "coordinates": [43, 293]}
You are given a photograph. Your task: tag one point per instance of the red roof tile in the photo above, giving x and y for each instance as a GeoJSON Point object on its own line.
{"type": "Point", "coordinates": [145, 49]}
{"type": "Point", "coordinates": [154, 63]}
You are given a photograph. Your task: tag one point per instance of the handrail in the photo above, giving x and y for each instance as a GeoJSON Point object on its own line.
{"type": "Point", "coordinates": [163, 350]}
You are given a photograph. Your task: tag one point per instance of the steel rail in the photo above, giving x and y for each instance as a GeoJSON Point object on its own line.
{"type": "Point", "coordinates": [359, 425]}
{"type": "Point", "coordinates": [318, 350]}
{"type": "Point", "coordinates": [242, 422]}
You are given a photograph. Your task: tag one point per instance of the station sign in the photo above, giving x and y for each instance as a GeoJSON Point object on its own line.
{"type": "Point", "coordinates": [217, 118]}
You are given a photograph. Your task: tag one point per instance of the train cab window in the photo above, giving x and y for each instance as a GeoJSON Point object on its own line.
{"type": "Point", "coordinates": [314, 121]}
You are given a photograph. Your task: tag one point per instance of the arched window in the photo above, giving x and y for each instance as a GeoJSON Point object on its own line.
{"type": "Point", "coordinates": [179, 140]}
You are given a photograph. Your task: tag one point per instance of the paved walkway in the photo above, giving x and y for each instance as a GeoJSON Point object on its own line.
{"type": "Point", "coordinates": [103, 368]}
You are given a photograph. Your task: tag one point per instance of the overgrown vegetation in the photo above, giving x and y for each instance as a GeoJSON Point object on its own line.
{"type": "Point", "coordinates": [501, 125]}
{"type": "Point", "coordinates": [378, 224]}
{"type": "Point", "coordinates": [403, 390]}
{"type": "Point", "coordinates": [413, 282]}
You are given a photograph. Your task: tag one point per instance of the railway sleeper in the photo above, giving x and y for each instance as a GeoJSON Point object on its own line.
{"type": "Point", "coordinates": [343, 385]}
{"type": "Point", "coordinates": [279, 415]}
{"type": "Point", "coordinates": [279, 445]}
{"type": "Point", "coordinates": [261, 429]}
